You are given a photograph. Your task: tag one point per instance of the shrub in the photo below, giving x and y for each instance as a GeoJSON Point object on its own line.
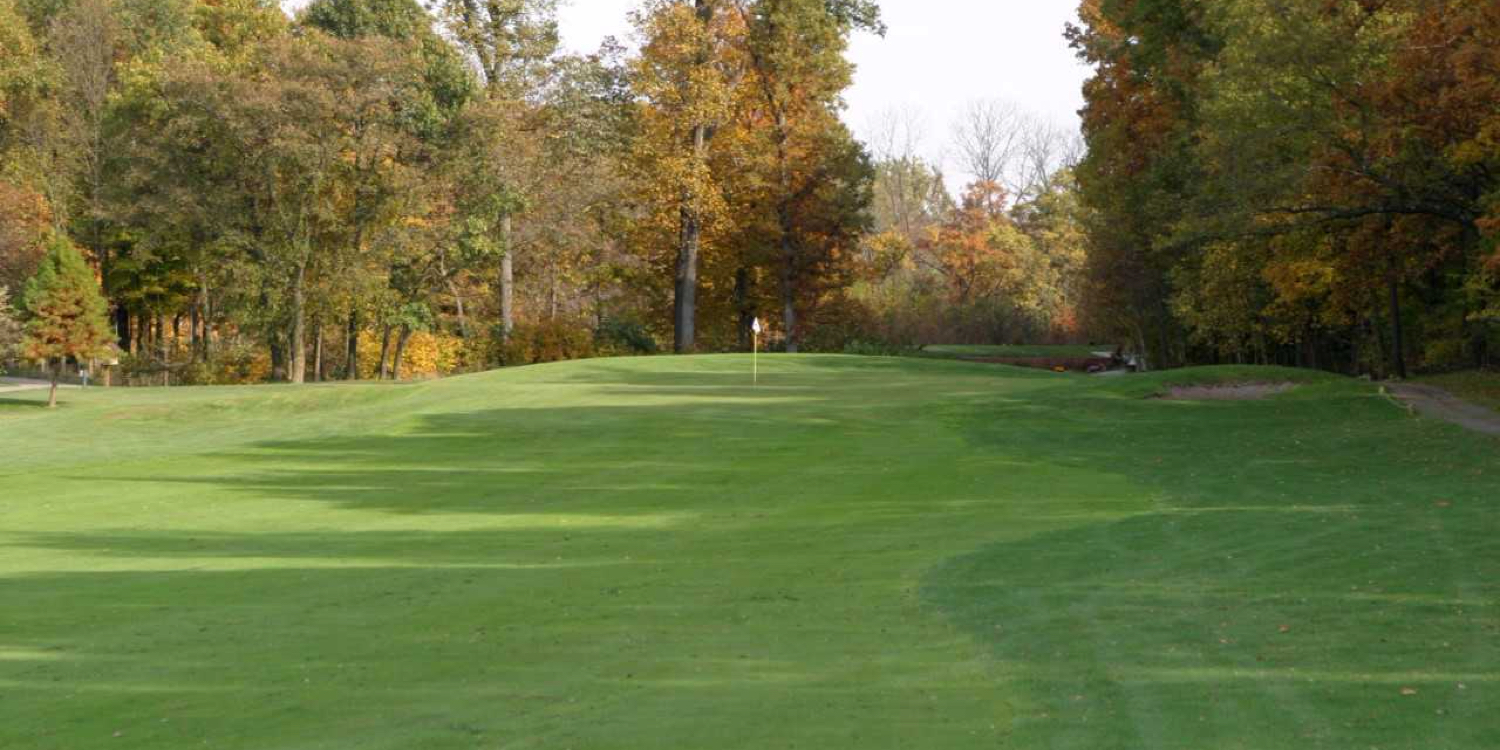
{"type": "Point", "coordinates": [622, 336]}
{"type": "Point", "coordinates": [881, 349]}
{"type": "Point", "coordinates": [546, 341]}
{"type": "Point", "coordinates": [840, 323]}
{"type": "Point", "coordinates": [1446, 354]}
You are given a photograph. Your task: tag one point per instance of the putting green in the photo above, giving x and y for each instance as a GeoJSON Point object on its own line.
{"type": "Point", "coordinates": [649, 553]}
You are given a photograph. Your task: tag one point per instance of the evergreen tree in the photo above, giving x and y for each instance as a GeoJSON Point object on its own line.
{"type": "Point", "coordinates": [66, 312]}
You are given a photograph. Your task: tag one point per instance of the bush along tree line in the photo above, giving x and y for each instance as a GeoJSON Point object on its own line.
{"type": "Point", "coordinates": [1307, 183]}
{"type": "Point", "coordinates": [377, 189]}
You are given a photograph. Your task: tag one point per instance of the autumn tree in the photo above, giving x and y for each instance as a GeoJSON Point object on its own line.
{"type": "Point", "coordinates": [686, 72]}
{"type": "Point", "coordinates": [510, 42]}
{"type": "Point", "coordinates": [796, 56]}
{"type": "Point", "coordinates": [27, 117]}
{"type": "Point", "coordinates": [26, 74]}
{"type": "Point", "coordinates": [1304, 183]}
{"type": "Point", "coordinates": [1140, 123]}
{"type": "Point", "coordinates": [307, 159]}
{"type": "Point", "coordinates": [571, 244]}
{"type": "Point", "coordinates": [398, 131]}
{"type": "Point", "coordinates": [172, 201]}
{"type": "Point", "coordinates": [65, 312]}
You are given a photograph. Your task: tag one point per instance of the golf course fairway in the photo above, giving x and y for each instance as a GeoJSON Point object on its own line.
{"type": "Point", "coordinates": [651, 554]}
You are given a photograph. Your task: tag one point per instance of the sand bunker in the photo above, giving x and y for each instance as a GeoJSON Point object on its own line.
{"type": "Point", "coordinates": [1228, 392]}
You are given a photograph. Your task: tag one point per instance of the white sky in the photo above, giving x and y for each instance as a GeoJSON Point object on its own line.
{"type": "Point", "coordinates": [937, 55]}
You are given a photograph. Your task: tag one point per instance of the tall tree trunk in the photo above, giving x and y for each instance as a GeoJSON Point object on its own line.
{"type": "Point", "coordinates": [552, 295]}
{"type": "Point", "coordinates": [686, 301]}
{"type": "Point", "coordinates": [458, 297]}
{"type": "Point", "coordinates": [351, 357]}
{"type": "Point", "coordinates": [789, 311]}
{"type": "Point", "coordinates": [278, 356]}
{"type": "Point", "coordinates": [507, 279]}
{"type": "Point", "coordinates": [742, 304]}
{"type": "Point", "coordinates": [122, 327]}
{"type": "Point", "coordinates": [1398, 335]}
{"type": "Point", "coordinates": [458, 304]}
{"type": "Point", "coordinates": [317, 350]}
{"type": "Point", "coordinates": [52, 392]}
{"type": "Point", "coordinates": [298, 362]}
{"type": "Point", "coordinates": [401, 340]}
{"type": "Point", "coordinates": [690, 236]}
{"type": "Point", "coordinates": [193, 344]}
{"type": "Point", "coordinates": [385, 349]}
{"type": "Point", "coordinates": [205, 343]}
{"type": "Point", "coordinates": [161, 348]}
{"type": "Point", "coordinates": [788, 280]}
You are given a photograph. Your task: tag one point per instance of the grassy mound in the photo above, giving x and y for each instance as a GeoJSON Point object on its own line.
{"type": "Point", "coordinates": [651, 553]}
{"type": "Point", "coordinates": [1024, 351]}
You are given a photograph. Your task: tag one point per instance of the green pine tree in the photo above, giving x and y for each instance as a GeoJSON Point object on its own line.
{"type": "Point", "coordinates": [66, 312]}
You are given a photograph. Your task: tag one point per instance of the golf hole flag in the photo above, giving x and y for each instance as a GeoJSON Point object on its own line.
{"type": "Point", "coordinates": [755, 352]}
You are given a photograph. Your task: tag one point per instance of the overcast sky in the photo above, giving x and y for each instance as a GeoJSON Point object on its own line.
{"type": "Point", "coordinates": [937, 55]}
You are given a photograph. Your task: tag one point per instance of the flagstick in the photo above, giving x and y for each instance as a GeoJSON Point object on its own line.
{"type": "Point", "coordinates": [755, 350]}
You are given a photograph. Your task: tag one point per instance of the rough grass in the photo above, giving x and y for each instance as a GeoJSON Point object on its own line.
{"type": "Point", "coordinates": [1478, 386]}
{"type": "Point", "coordinates": [648, 553]}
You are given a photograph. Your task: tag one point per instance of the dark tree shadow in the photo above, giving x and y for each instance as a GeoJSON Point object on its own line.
{"type": "Point", "coordinates": [1275, 595]}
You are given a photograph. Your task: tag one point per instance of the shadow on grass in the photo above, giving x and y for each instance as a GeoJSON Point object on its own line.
{"type": "Point", "coordinates": [1316, 628]}
{"type": "Point", "coordinates": [675, 447]}
{"type": "Point", "coordinates": [22, 403]}
{"type": "Point", "coordinates": [1315, 572]}
{"type": "Point", "coordinates": [385, 656]}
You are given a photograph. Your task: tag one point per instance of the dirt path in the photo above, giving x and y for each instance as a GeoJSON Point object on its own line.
{"type": "Point", "coordinates": [1437, 403]}
{"type": "Point", "coordinates": [14, 385]}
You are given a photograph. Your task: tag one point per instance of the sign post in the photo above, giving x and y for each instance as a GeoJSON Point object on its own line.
{"type": "Point", "coordinates": [755, 351]}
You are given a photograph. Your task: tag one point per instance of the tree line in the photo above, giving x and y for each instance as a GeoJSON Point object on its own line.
{"type": "Point", "coordinates": [320, 196]}
{"type": "Point", "coordinates": [1299, 182]}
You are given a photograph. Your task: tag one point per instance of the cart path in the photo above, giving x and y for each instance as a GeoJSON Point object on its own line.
{"type": "Point", "coordinates": [1436, 403]}
{"type": "Point", "coordinates": [16, 385]}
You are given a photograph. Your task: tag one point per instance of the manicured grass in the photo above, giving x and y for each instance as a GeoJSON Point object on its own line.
{"type": "Point", "coordinates": [1028, 351]}
{"type": "Point", "coordinates": [1479, 386]}
{"type": "Point", "coordinates": [648, 553]}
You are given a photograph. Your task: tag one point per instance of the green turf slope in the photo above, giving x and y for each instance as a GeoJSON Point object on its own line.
{"type": "Point", "coordinates": [1014, 352]}
{"type": "Point", "coordinates": [651, 555]}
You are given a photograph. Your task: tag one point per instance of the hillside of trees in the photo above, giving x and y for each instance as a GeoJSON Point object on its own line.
{"type": "Point", "coordinates": [1308, 183]}
{"type": "Point", "coordinates": [371, 188]}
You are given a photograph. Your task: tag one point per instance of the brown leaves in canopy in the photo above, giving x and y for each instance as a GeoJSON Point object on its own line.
{"type": "Point", "coordinates": [972, 248]}
{"type": "Point", "coordinates": [24, 218]}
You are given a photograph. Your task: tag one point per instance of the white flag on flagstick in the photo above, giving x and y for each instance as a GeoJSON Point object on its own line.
{"type": "Point", "coordinates": [755, 356]}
